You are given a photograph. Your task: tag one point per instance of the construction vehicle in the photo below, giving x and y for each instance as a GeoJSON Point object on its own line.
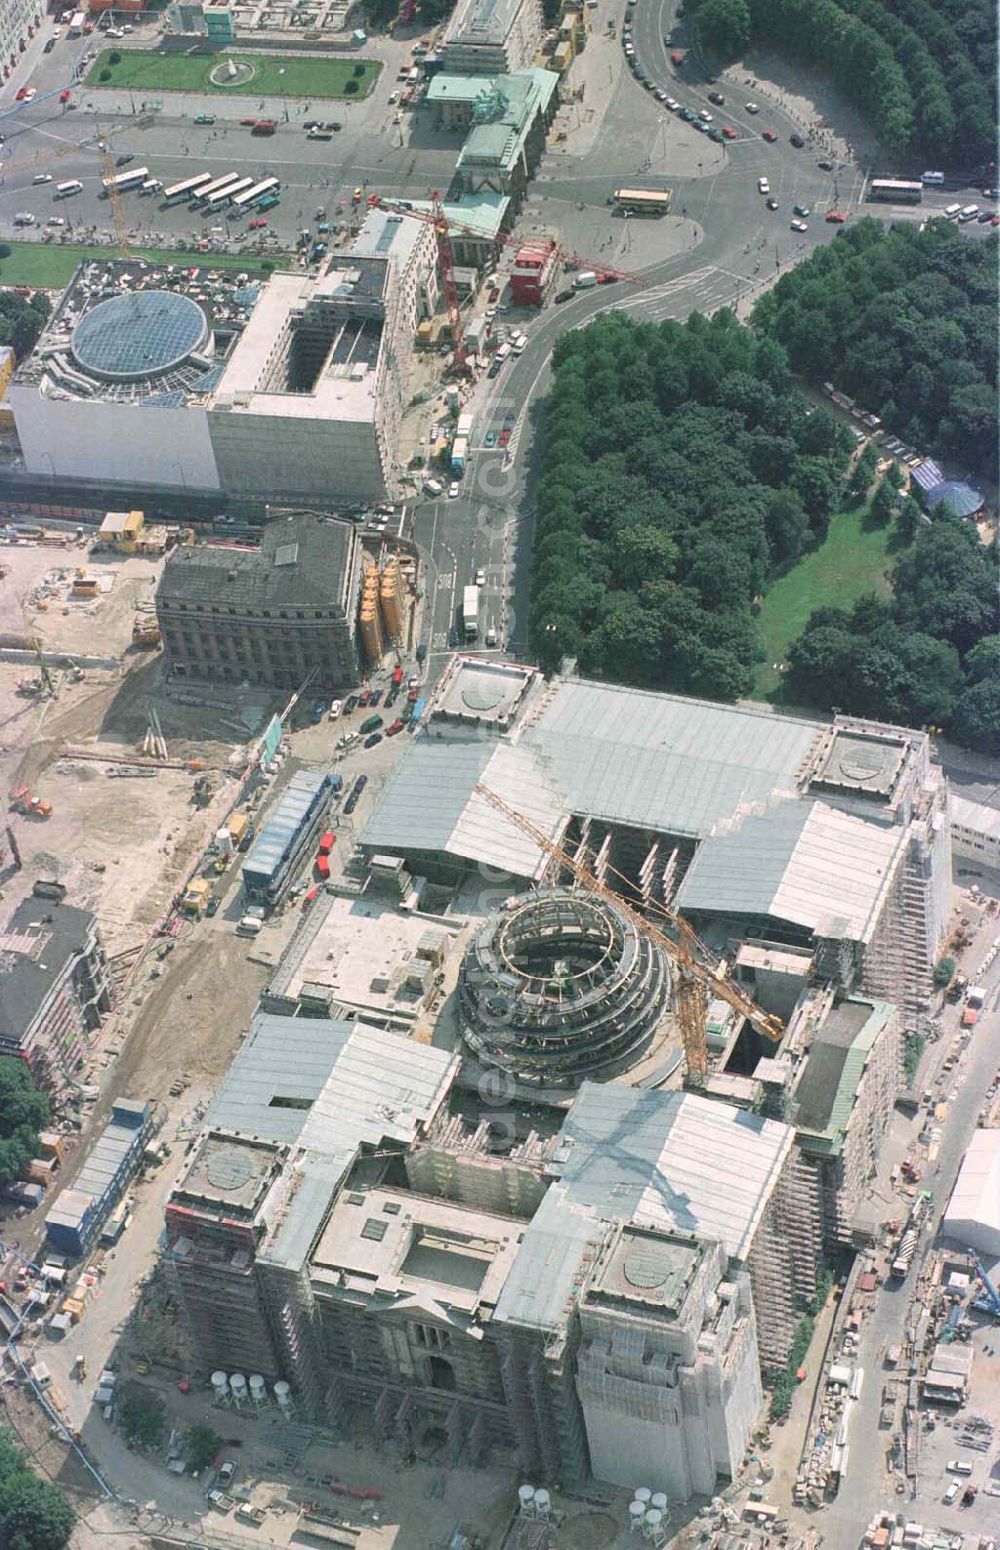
{"type": "Point", "coordinates": [29, 806]}
{"type": "Point", "coordinates": [196, 896]}
{"type": "Point", "coordinates": [698, 972]}
{"type": "Point", "coordinates": [146, 633]}
{"type": "Point", "coordinates": [989, 1302]}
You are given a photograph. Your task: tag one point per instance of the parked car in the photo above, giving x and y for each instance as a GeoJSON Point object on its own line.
{"type": "Point", "coordinates": [205, 118]}
{"type": "Point", "coordinates": [825, 165]}
{"type": "Point", "coordinates": [124, 159]}
{"type": "Point", "coordinates": [717, 98]}
{"type": "Point", "coordinates": [772, 203]}
{"type": "Point", "coordinates": [797, 141]}
{"type": "Point", "coordinates": [376, 737]}
{"type": "Point", "coordinates": [763, 186]}
{"type": "Point", "coordinates": [752, 107]}
{"type": "Point", "coordinates": [729, 132]}
{"type": "Point", "coordinates": [768, 135]}
{"type": "Point", "coordinates": [798, 225]}
{"type": "Point", "coordinates": [335, 710]}
{"type": "Point", "coordinates": [433, 487]}
{"type": "Point", "coordinates": [212, 907]}
{"type": "Point", "coordinates": [350, 704]}
{"type": "Point", "coordinates": [802, 210]}
{"type": "Point", "coordinates": [394, 727]}
{"type": "Point", "coordinates": [835, 217]}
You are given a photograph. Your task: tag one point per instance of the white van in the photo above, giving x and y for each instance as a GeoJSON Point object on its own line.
{"type": "Point", "coordinates": [42, 177]}
{"type": "Point", "coordinates": [585, 279]}
{"type": "Point", "coordinates": [969, 213]}
{"type": "Point", "coordinates": [24, 218]}
{"type": "Point", "coordinates": [248, 926]}
{"type": "Point", "coordinates": [932, 179]}
{"type": "Point", "coordinates": [958, 1467]}
{"type": "Point", "coordinates": [502, 353]}
{"type": "Point", "coordinates": [951, 212]}
{"type": "Point", "coordinates": [951, 1493]}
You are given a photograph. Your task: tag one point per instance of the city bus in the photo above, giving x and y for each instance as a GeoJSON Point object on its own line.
{"type": "Point", "coordinates": [133, 178]}
{"type": "Point", "coordinates": [893, 191]}
{"type": "Point", "coordinates": [222, 196]}
{"type": "Point", "coordinates": [641, 201]}
{"type": "Point", "coordinates": [180, 193]}
{"type": "Point", "coordinates": [213, 187]}
{"type": "Point", "coordinates": [250, 196]}
{"type": "Point", "coordinates": [64, 190]}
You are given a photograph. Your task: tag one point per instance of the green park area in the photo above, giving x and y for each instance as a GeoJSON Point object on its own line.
{"type": "Point", "coordinates": [855, 558]}
{"type": "Point", "coordinates": [50, 267]}
{"type": "Point", "coordinates": [257, 75]}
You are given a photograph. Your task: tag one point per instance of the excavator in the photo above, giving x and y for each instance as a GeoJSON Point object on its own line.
{"type": "Point", "coordinates": [699, 973]}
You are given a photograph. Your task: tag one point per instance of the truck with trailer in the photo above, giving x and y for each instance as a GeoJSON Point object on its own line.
{"type": "Point", "coordinates": [459, 454]}
{"type": "Point", "coordinates": [470, 613]}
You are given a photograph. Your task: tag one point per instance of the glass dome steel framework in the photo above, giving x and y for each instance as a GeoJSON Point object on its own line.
{"type": "Point", "coordinates": [560, 988]}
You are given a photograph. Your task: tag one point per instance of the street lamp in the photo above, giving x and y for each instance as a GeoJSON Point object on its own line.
{"type": "Point", "coordinates": [284, 99]}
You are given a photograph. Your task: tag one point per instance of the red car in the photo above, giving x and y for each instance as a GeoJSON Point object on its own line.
{"type": "Point", "coordinates": [64, 96]}
{"type": "Point", "coordinates": [248, 123]}
{"type": "Point", "coordinates": [835, 217]}
{"type": "Point", "coordinates": [769, 135]}
{"type": "Point", "coordinates": [258, 224]}
{"type": "Point", "coordinates": [503, 439]}
{"type": "Point", "coordinates": [310, 899]}
{"type": "Point", "coordinates": [393, 728]}
{"type": "Point", "coordinates": [22, 92]}
{"type": "Point", "coordinates": [729, 131]}
{"type": "Point", "coordinates": [676, 60]}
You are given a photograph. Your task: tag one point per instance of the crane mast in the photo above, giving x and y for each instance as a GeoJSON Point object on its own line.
{"type": "Point", "coordinates": [697, 973]}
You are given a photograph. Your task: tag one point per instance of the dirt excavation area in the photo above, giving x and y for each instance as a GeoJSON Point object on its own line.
{"type": "Point", "coordinates": [86, 804]}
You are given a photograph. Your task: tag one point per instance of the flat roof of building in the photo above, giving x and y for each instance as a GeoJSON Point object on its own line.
{"type": "Point", "coordinates": [977, 816]}
{"type": "Point", "coordinates": [838, 1053]}
{"type": "Point", "coordinates": [483, 21]}
{"type": "Point", "coordinates": [482, 692]}
{"type": "Point", "coordinates": [389, 234]}
{"type": "Point", "coordinates": [41, 937]}
{"type": "Point", "coordinates": [426, 1254]}
{"type": "Point", "coordinates": [477, 215]}
{"type": "Point", "coordinates": [304, 560]}
{"type": "Point", "coordinates": [865, 763]}
{"type": "Point", "coordinates": [356, 952]}
{"type": "Point", "coordinates": [344, 389]}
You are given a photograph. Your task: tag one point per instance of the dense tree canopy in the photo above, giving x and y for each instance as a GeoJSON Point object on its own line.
{"type": "Point", "coordinates": [681, 469]}
{"type": "Point", "coordinates": [905, 321]}
{"type": "Point", "coordinates": [21, 320]}
{"type": "Point", "coordinates": [33, 1514]}
{"type": "Point", "coordinates": [923, 73]}
{"type": "Point", "coordinates": [23, 1113]}
{"type": "Point", "coordinates": [930, 655]}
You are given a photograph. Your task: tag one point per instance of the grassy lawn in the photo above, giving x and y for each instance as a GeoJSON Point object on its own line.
{"type": "Point", "coordinates": [854, 559]}
{"type": "Point", "coordinates": [274, 75]}
{"type": "Point", "coordinates": [50, 267]}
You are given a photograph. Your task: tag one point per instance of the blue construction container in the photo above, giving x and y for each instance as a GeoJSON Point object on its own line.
{"type": "Point", "coordinates": [76, 1218]}
{"type": "Point", "coordinates": [289, 833]}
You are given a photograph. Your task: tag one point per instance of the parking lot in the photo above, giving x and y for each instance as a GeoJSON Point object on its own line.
{"type": "Point", "coordinates": [48, 137]}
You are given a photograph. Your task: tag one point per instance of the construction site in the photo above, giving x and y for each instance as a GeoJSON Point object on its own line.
{"type": "Point", "coordinates": [528, 1176]}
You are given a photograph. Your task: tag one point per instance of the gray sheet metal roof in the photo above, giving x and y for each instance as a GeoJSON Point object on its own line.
{"type": "Point", "coordinates": [804, 862]}
{"type": "Point", "coordinates": [355, 1083]}
{"type": "Point", "coordinates": [672, 1161]}
{"type": "Point", "coordinates": [656, 761]}
{"type": "Point", "coordinates": [663, 761]}
{"type": "Point", "coordinates": [278, 833]}
{"type": "Point", "coordinates": [428, 803]}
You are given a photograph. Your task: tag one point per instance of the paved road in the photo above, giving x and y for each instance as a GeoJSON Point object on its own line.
{"type": "Point", "coordinates": [864, 1491]}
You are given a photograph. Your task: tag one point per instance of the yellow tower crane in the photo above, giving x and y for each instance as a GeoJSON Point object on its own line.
{"type": "Point", "coordinates": [698, 972]}
{"type": "Point", "coordinates": [110, 173]}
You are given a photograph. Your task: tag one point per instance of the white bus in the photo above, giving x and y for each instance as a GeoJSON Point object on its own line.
{"type": "Point", "coordinates": [223, 195]}
{"type": "Point", "coordinates": [641, 201]}
{"type": "Point", "coordinates": [179, 193]}
{"type": "Point", "coordinates": [64, 190]}
{"type": "Point", "coordinates": [895, 191]}
{"type": "Point", "coordinates": [214, 186]}
{"type": "Point", "coordinates": [133, 178]}
{"type": "Point", "coordinates": [249, 198]}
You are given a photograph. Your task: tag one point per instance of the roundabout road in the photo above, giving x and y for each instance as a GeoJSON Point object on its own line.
{"type": "Point", "coordinates": [737, 246]}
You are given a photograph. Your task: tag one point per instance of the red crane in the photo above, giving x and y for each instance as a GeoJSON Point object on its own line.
{"type": "Point", "coordinates": [446, 263]}
{"type": "Point", "coordinates": [443, 228]}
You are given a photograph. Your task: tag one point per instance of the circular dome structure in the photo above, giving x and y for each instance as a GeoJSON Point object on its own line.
{"type": "Point", "coordinates": [139, 335]}
{"type": "Point", "coordinates": [561, 988]}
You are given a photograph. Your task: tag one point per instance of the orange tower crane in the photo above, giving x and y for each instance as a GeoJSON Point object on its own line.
{"type": "Point", "coordinates": [698, 972]}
